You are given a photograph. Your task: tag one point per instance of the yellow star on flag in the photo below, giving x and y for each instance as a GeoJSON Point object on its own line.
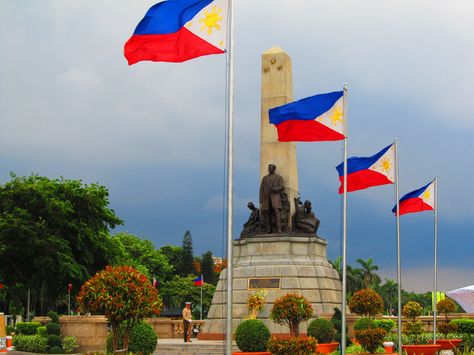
{"type": "Point", "coordinates": [211, 19]}
{"type": "Point", "coordinates": [386, 165]}
{"type": "Point", "coordinates": [337, 116]}
{"type": "Point", "coordinates": [426, 194]}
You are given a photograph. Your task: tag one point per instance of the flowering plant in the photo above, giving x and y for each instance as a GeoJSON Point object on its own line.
{"type": "Point", "coordinates": [122, 294]}
{"type": "Point", "coordinates": [292, 346]}
{"type": "Point", "coordinates": [255, 303]}
{"type": "Point", "coordinates": [291, 310]}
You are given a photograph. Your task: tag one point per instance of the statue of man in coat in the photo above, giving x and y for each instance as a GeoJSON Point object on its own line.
{"type": "Point", "coordinates": [270, 200]}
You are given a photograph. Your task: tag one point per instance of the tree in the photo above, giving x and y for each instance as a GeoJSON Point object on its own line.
{"type": "Point", "coordinates": [123, 295]}
{"type": "Point", "coordinates": [368, 268]}
{"type": "Point", "coordinates": [291, 310]}
{"type": "Point", "coordinates": [208, 269]}
{"type": "Point", "coordinates": [181, 289]}
{"type": "Point", "coordinates": [187, 258]}
{"type": "Point", "coordinates": [141, 254]}
{"type": "Point", "coordinates": [53, 232]}
{"type": "Point", "coordinates": [355, 280]}
{"type": "Point", "coordinates": [389, 294]}
{"type": "Point", "coordinates": [173, 254]}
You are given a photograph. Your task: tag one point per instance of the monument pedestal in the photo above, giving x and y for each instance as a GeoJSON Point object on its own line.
{"type": "Point", "coordinates": [281, 264]}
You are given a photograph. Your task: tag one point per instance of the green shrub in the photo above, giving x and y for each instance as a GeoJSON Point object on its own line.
{"type": "Point", "coordinates": [55, 350]}
{"type": "Point", "coordinates": [370, 338]}
{"type": "Point", "coordinates": [464, 325]}
{"type": "Point", "coordinates": [142, 339]}
{"type": "Point", "coordinates": [291, 310]}
{"type": "Point", "coordinates": [366, 303]}
{"type": "Point", "coordinates": [53, 328]}
{"type": "Point", "coordinates": [467, 341]}
{"type": "Point", "coordinates": [337, 322]}
{"type": "Point", "coordinates": [10, 329]}
{"type": "Point", "coordinates": [30, 343]}
{"type": "Point", "coordinates": [386, 324]}
{"type": "Point", "coordinates": [447, 328]}
{"type": "Point", "coordinates": [252, 335]}
{"type": "Point", "coordinates": [54, 316]}
{"type": "Point", "coordinates": [70, 344]}
{"type": "Point", "coordinates": [54, 340]}
{"type": "Point", "coordinates": [27, 328]}
{"type": "Point", "coordinates": [43, 331]}
{"type": "Point", "coordinates": [293, 346]}
{"type": "Point", "coordinates": [321, 329]}
{"type": "Point", "coordinates": [412, 310]}
{"type": "Point", "coordinates": [363, 323]}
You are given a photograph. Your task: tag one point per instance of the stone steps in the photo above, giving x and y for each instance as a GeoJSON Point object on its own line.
{"type": "Point", "coordinates": [195, 348]}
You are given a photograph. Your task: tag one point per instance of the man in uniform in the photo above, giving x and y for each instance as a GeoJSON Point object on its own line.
{"type": "Point", "coordinates": [187, 320]}
{"type": "Point", "coordinates": [270, 200]}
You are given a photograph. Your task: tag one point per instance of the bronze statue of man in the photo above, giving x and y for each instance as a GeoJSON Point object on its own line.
{"type": "Point", "coordinates": [270, 199]}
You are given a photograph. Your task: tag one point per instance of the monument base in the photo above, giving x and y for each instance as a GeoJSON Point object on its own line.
{"type": "Point", "coordinates": [281, 264]}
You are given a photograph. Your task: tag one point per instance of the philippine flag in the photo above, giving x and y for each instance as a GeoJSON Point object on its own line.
{"type": "Point", "coordinates": [315, 118]}
{"type": "Point", "coordinates": [198, 281]}
{"type": "Point", "coordinates": [418, 200]}
{"type": "Point", "coordinates": [362, 173]}
{"type": "Point", "coordinates": [179, 30]}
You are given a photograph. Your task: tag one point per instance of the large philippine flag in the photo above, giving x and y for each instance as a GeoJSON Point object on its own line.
{"type": "Point", "coordinates": [179, 30]}
{"type": "Point", "coordinates": [315, 118]}
{"type": "Point", "coordinates": [417, 201]}
{"type": "Point", "coordinates": [362, 173]}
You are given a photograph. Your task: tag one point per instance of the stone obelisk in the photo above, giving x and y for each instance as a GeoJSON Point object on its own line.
{"type": "Point", "coordinates": [277, 90]}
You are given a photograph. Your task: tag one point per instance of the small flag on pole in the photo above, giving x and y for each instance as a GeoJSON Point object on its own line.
{"type": "Point", "coordinates": [198, 281]}
{"type": "Point", "coordinates": [179, 30]}
{"type": "Point", "coordinates": [363, 173]}
{"type": "Point", "coordinates": [418, 200]}
{"type": "Point", "coordinates": [315, 118]}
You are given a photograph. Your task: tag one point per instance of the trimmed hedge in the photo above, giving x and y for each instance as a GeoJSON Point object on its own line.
{"type": "Point", "coordinates": [386, 324]}
{"type": "Point", "coordinates": [27, 328]}
{"type": "Point", "coordinates": [54, 340]}
{"type": "Point", "coordinates": [55, 350]}
{"type": "Point", "coordinates": [54, 316]}
{"type": "Point", "coordinates": [43, 331]}
{"type": "Point", "coordinates": [363, 323]}
{"type": "Point", "coordinates": [30, 343]}
{"type": "Point", "coordinates": [142, 339]}
{"type": "Point", "coordinates": [321, 329]}
{"type": "Point", "coordinates": [252, 335]}
{"type": "Point", "coordinates": [53, 328]}
{"type": "Point", "coordinates": [464, 325]}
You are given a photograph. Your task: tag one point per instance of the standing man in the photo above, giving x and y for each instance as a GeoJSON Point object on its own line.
{"type": "Point", "coordinates": [187, 320]}
{"type": "Point", "coordinates": [270, 200]}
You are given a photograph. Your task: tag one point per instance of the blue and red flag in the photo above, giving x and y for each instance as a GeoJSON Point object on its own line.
{"type": "Point", "coordinates": [179, 30]}
{"type": "Point", "coordinates": [379, 169]}
{"type": "Point", "coordinates": [198, 281]}
{"type": "Point", "coordinates": [315, 118]}
{"type": "Point", "coordinates": [417, 201]}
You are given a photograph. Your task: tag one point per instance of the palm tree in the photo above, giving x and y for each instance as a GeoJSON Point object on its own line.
{"type": "Point", "coordinates": [337, 264]}
{"type": "Point", "coordinates": [355, 280]}
{"type": "Point", "coordinates": [370, 278]}
{"type": "Point", "coordinates": [389, 293]}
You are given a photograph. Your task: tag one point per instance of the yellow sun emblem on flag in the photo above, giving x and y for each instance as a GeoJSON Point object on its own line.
{"type": "Point", "coordinates": [337, 116]}
{"type": "Point", "coordinates": [386, 164]}
{"type": "Point", "coordinates": [426, 195]}
{"type": "Point", "coordinates": [211, 19]}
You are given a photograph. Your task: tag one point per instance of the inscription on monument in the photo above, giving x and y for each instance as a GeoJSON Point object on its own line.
{"type": "Point", "coordinates": [264, 282]}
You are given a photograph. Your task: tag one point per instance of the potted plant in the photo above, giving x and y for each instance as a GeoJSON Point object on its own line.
{"type": "Point", "coordinates": [291, 310]}
{"type": "Point", "coordinates": [447, 327]}
{"type": "Point", "coordinates": [252, 336]}
{"type": "Point", "coordinates": [413, 329]}
{"type": "Point", "coordinates": [323, 331]}
{"type": "Point", "coordinates": [368, 303]}
{"type": "Point", "coordinates": [293, 346]}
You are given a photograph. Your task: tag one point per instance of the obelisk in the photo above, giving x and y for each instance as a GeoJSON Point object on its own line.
{"type": "Point", "coordinates": [277, 89]}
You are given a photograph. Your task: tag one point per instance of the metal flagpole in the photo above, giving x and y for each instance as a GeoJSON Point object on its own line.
{"type": "Point", "coordinates": [202, 282]}
{"type": "Point", "coordinates": [435, 275]}
{"type": "Point", "coordinates": [230, 182]}
{"type": "Point", "coordinates": [344, 236]}
{"type": "Point", "coordinates": [399, 272]}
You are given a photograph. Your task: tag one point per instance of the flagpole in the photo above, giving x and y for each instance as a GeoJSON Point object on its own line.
{"type": "Point", "coordinates": [435, 274]}
{"type": "Point", "coordinates": [344, 236]}
{"type": "Point", "coordinates": [399, 272]}
{"type": "Point", "coordinates": [230, 182]}
{"type": "Point", "coordinates": [202, 282]}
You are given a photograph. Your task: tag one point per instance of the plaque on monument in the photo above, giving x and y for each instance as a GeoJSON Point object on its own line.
{"type": "Point", "coordinates": [264, 282]}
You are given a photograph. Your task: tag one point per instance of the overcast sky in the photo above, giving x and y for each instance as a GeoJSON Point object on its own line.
{"type": "Point", "coordinates": [153, 133]}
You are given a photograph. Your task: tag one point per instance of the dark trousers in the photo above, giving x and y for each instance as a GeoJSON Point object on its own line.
{"type": "Point", "coordinates": [186, 326]}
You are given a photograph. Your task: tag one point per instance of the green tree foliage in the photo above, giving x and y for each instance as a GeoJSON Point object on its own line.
{"type": "Point", "coordinates": [370, 279]}
{"type": "Point", "coordinates": [141, 254]}
{"type": "Point", "coordinates": [181, 289]}
{"type": "Point", "coordinates": [291, 310]}
{"type": "Point", "coordinates": [207, 268]}
{"type": "Point", "coordinates": [52, 232]}
{"type": "Point", "coordinates": [174, 255]}
{"type": "Point", "coordinates": [187, 257]}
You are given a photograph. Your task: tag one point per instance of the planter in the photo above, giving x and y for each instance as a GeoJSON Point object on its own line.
{"type": "Point", "coordinates": [252, 353]}
{"type": "Point", "coordinates": [424, 349]}
{"type": "Point", "coordinates": [388, 346]}
{"type": "Point", "coordinates": [327, 348]}
{"type": "Point", "coordinates": [448, 344]}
